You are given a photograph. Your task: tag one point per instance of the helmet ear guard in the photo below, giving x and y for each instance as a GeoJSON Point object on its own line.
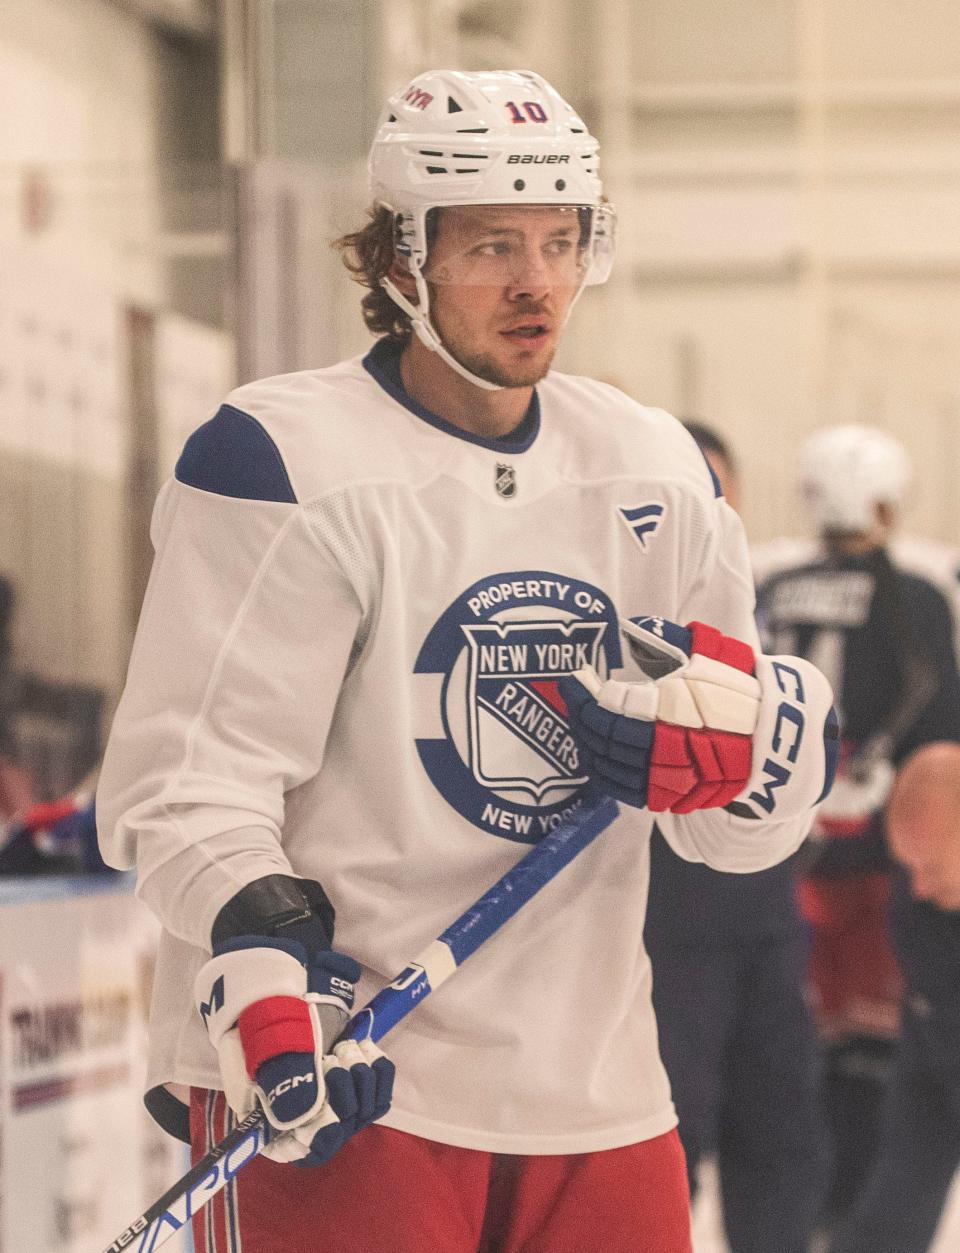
{"type": "Point", "coordinates": [603, 245]}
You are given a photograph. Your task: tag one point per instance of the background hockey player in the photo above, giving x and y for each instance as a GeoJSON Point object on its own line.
{"type": "Point", "coordinates": [350, 706]}
{"type": "Point", "coordinates": [885, 638]}
{"type": "Point", "coordinates": [919, 1150]}
{"type": "Point", "coordinates": [736, 1031]}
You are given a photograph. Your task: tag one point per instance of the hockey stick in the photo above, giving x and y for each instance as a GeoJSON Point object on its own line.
{"type": "Point", "coordinates": [415, 982]}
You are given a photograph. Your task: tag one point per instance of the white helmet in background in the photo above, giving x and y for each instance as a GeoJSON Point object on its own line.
{"type": "Point", "coordinates": [846, 471]}
{"type": "Point", "coordinates": [494, 137]}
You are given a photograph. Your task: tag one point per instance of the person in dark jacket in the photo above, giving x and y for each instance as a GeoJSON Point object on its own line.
{"type": "Point", "coordinates": [884, 637]}
{"type": "Point", "coordinates": [16, 786]}
{"type": "Point", "coordinates": [736, 1033]}
{"type": "Point", "coordinates": [901, 1204]}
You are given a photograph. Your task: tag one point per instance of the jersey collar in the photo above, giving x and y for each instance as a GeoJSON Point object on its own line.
{"type": "Point", "coordinates": [382, 363]}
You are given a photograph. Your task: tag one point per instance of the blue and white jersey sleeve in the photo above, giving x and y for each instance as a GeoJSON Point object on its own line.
{"type": "Point", "coordinates": [245, 612]}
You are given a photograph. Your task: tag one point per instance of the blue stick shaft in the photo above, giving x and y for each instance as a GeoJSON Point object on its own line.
{"type": "Point", "coordinates": [484, 917]}
{"type": "Point", "coordinates": [534, 870]}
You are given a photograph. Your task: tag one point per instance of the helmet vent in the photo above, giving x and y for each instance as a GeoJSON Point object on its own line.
{"type": "Point", "coordinates": [392, 117]}
{"type": "Point", "coordinates": [473, 130]}
{"type": "Point", "coordinates": [452, 106]}
{"type": "Point", "coordinates": [437, 169]}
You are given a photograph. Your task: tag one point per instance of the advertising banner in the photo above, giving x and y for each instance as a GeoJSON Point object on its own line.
{"type": "Point", "coordinates": [79, 1155]}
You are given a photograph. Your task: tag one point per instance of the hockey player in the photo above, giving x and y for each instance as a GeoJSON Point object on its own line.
{"type": "Point", "coordinates": [720, 459]}
{"type": "Point", "coordinates": [343, 721]}
{"type": "Point", "coordinates": [884, 637]}
{"type": "Point", "coordinates": [919, 1150]}
{"type": "Point", "coordinates": [736, 1031]}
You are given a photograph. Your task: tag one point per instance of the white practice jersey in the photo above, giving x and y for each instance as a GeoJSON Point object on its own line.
{"type": "Point", "coordinates": [346, 669]}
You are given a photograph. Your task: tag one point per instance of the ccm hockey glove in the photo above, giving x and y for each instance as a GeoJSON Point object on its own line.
{"type": "Point", "coordinates": [273, 1012]}
{"type": "Point", "coordinates": [712, 725]}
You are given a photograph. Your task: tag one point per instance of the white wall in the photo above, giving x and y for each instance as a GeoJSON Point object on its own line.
{"type": "Point", "coordinates": [787, 175]}
{"type": "Point", "coordinates": [788, 178]}
{"type": "Point", "coordinates": [77, 94]}
{"type": "Point", "coordinates": [788, 182]}
{"type": "Point", "coordinates": [85, 198]}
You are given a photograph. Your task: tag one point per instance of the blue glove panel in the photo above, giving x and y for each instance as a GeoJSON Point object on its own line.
{"type": "Point", "coordinates": [358, 1096]}
{"type": "Point", "coordinates": [323, 1146]}
{"type": "Point", "coordinates": [615, 749]}
{"type": "Point", "coordinates": [333, 974]}
{"type": "Point", "coordinates": [289, 1081]}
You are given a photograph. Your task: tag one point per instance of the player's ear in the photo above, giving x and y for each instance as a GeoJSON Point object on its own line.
{"type": "Point", "coordinates": [403, 280]}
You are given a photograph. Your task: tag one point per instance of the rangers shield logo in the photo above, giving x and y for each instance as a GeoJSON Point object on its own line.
{"type": "Point", "coordinates": [506, 480]}
{"type": "Point", "coordinates": [519, 736]}
{"type": "Point", "coordinates": [502, 754]}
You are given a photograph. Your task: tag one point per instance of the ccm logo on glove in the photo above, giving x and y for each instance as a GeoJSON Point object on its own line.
{"type": "Point", "coordinates": [287, 1084]}
{"type": "Point", "coordinates": [797, 741]}
{"type": "Point", "coordinates": [710, 725]}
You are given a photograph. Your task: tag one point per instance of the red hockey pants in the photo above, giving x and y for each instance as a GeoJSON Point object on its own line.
{"type": "Point", "coordinates": [389, 1192]}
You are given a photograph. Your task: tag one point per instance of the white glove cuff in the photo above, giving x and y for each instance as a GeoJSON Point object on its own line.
{"type": "Point", "coordinates": [228, 984]}
{"type": "Point", "coordinates": [792, 759]}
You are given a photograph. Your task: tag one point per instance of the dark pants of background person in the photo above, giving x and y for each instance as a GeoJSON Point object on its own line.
{"type": "Point", "coordinates": [857, 1074]}
{"type": "Point", "coordinates": [919, 1151]}
{"type": "Point", "coordinates": [738, 1042]}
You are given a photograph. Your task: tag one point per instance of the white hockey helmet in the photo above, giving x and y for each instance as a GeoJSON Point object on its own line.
{"type": "Point", "coordinates": [846, 471]}
{"type": "Point", "coordinates": [493, 137]}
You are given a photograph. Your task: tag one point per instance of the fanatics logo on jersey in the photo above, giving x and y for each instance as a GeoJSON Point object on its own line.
{"type": "Point", "coordinates": [642, 521]}
{"type": "Point", "coordinates": [505, 759]}
{"type": "Point", "coordinates": [506, 480]}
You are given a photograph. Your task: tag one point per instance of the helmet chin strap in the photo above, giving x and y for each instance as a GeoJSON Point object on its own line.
{"type": "Point", "coordinates": [420, 318]}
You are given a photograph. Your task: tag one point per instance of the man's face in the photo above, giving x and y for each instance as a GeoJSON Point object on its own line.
{"type": "Point", "coordinates": [927, 843]}
{"type": "Point", "coordinates": [501, 280]}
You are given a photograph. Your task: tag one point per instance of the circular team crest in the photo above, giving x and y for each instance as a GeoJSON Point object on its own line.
{"type": "Point", "coordinates": [507, 761]}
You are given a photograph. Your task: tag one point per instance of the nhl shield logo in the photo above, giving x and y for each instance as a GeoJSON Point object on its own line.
{"type": "Point", "coordinates": [506, 480]}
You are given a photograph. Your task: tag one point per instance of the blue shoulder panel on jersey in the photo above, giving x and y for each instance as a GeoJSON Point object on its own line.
{"type": "Point", "coordinates": [232, 455]}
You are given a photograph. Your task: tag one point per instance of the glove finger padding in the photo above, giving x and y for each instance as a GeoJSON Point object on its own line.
{"type": "Point", "coordinates": [359, 1086]}
{"type": "Point", "coordinates": [696, 769]}
{"type": "Point", "coordinates": [615, 747]}
{"type": "Point", "coordinates": [680, 740]}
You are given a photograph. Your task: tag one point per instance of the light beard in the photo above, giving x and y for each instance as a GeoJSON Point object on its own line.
{"type": "Point", "coordinates": [487, 368]}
